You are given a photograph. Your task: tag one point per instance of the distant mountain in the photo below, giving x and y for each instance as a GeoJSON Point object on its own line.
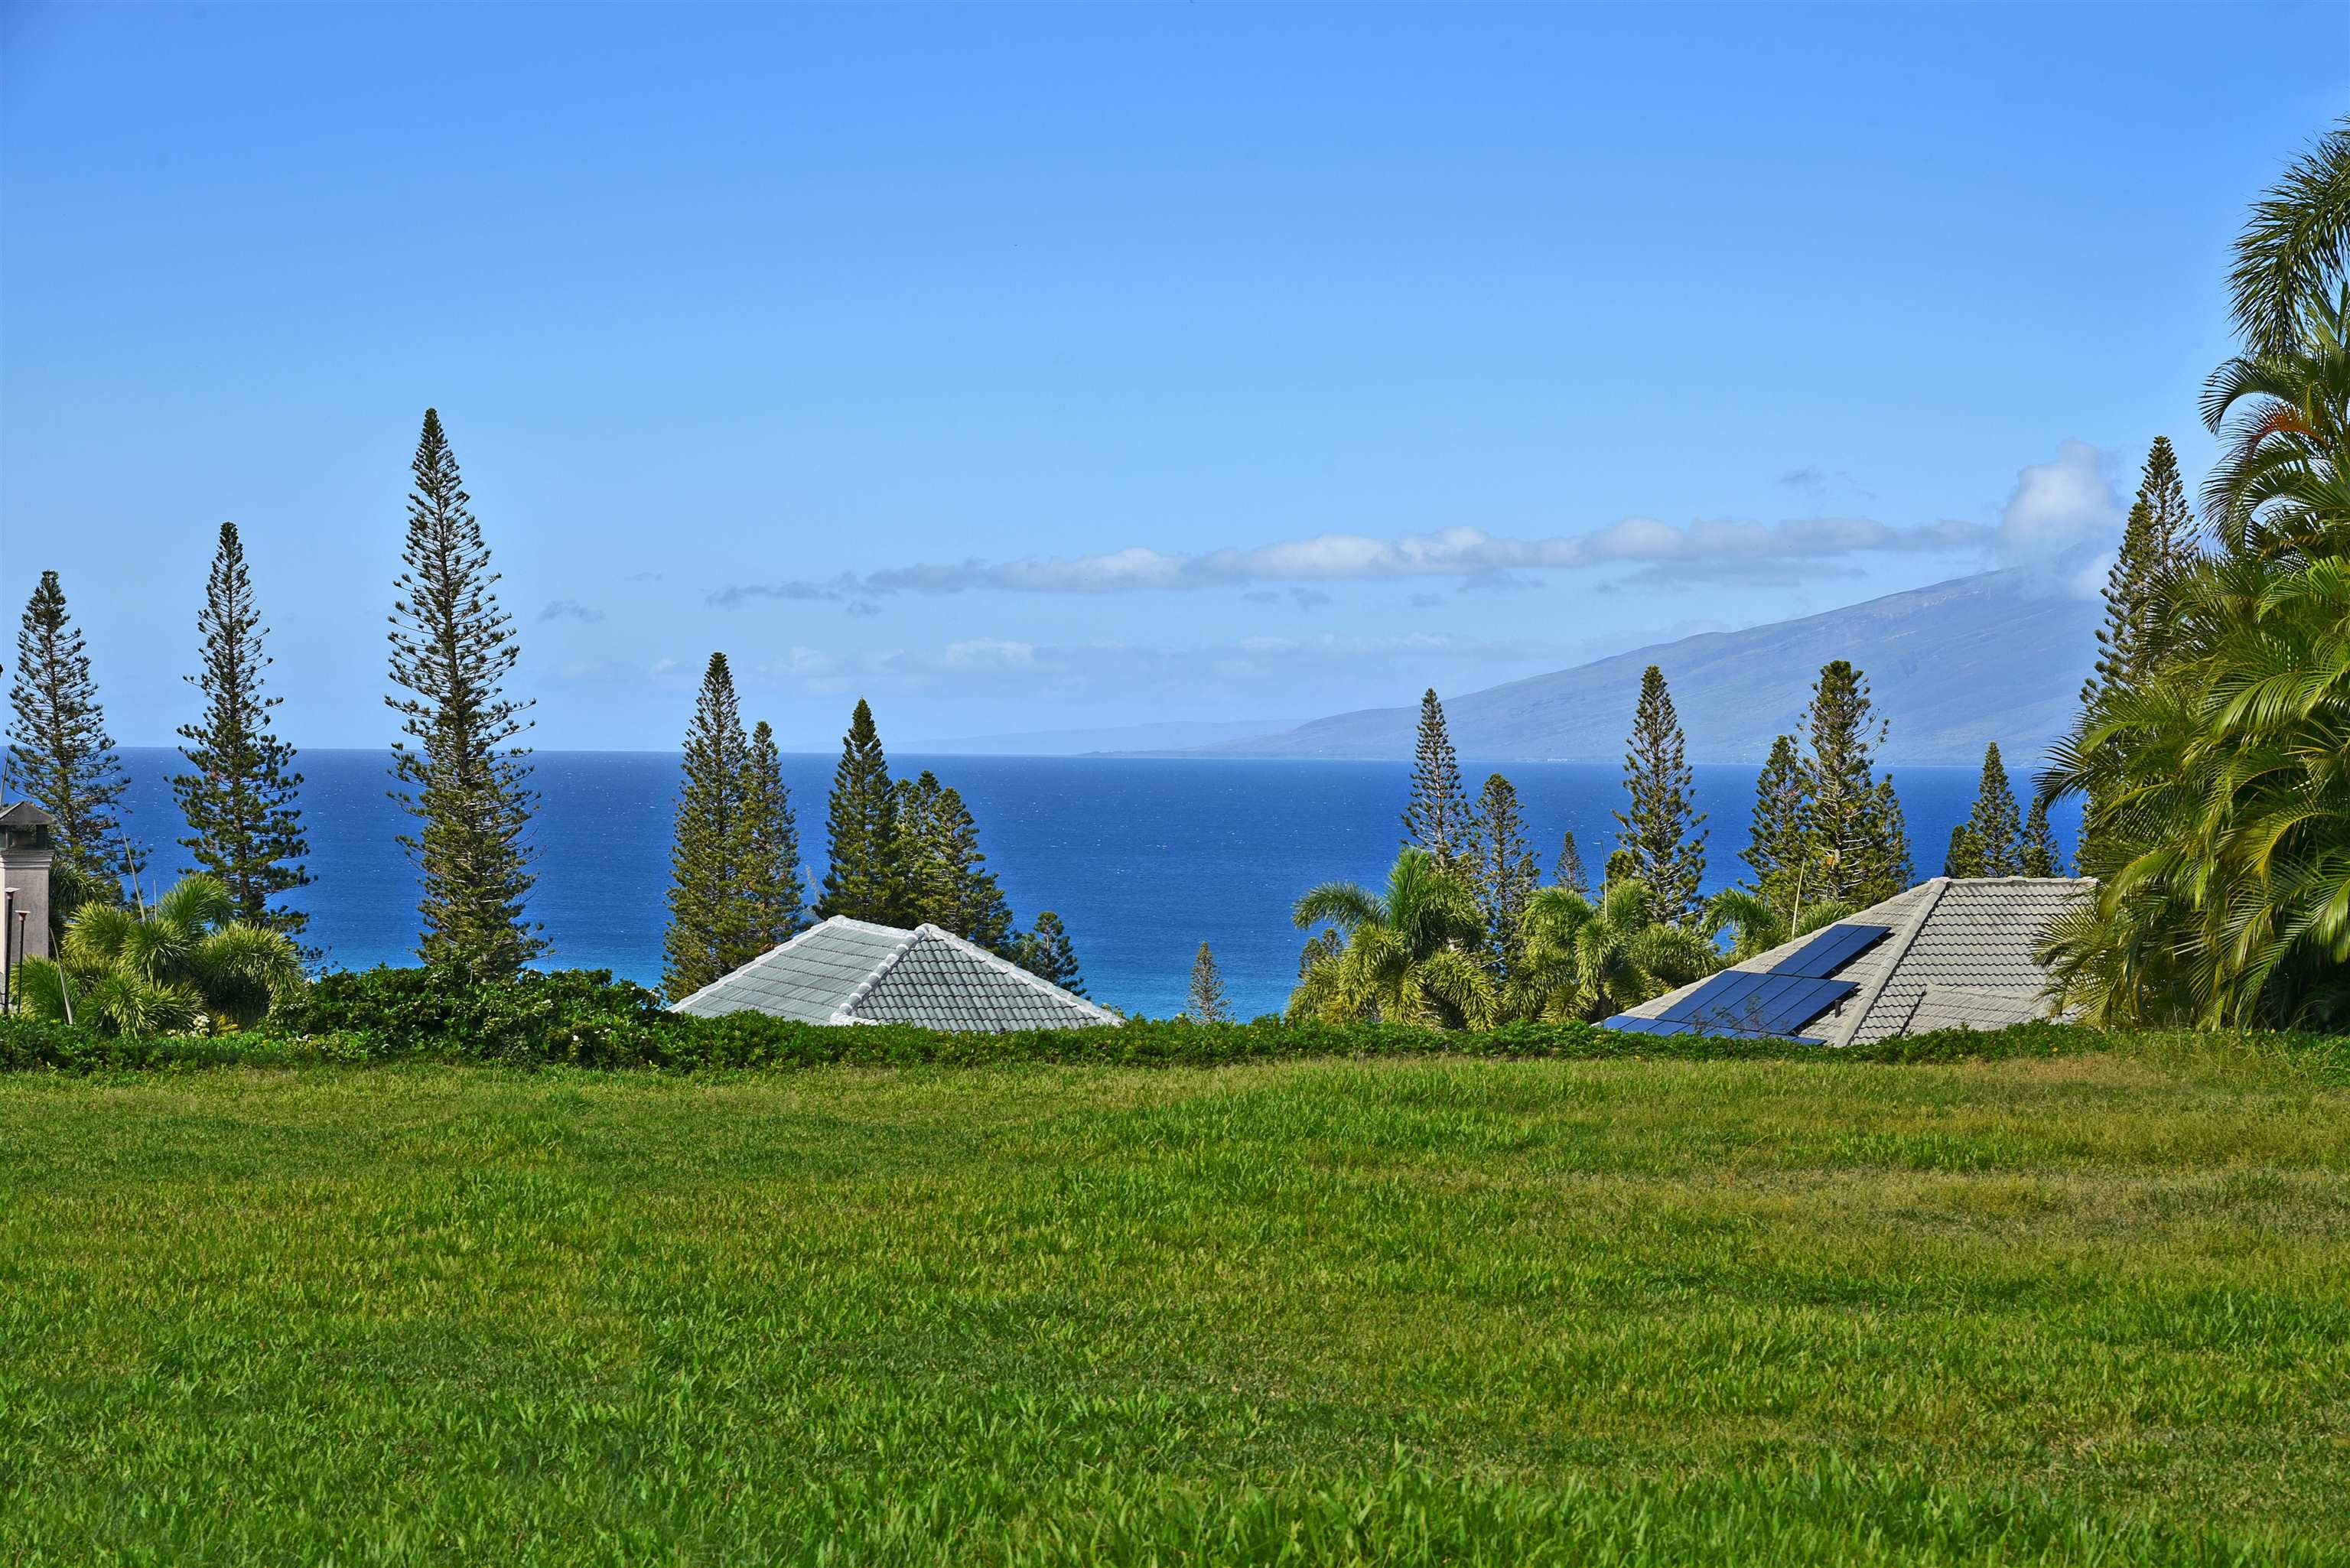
{"type": "Point", "coordinates": [1174, 734]}
{"type": "Point", "coordinates": [1997, 657]}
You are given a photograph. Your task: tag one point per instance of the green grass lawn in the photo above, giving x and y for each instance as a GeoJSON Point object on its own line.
{"type": "Point", "coordinates": [2090, 1309]}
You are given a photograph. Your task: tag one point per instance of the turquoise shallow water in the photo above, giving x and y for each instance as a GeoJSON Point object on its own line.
{"type": "Point", "coordinates": [1143, 859]}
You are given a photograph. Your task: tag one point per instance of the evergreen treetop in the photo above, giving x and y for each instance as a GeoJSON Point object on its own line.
{"type": "Point", "coordinates": [240, 795]}
{"type": "Point", "coordinates": [711, 923]}
{"type": "Point", "coordinates": [467, 780]}
{"type": "Point", "coordinates": [946, 880]}
{"type": "Point", "coordinates": [1208, 1003]}
{"type": "Point", "coordinates": [1567, 871]}
{"type": "Point", "coordinates": [1437, 817]}
{"type": "Point", "coordinates": [770, 861]}
{"type": "Point", "coordinates": [2041, 856]}
{"type": "Point", "coordinates": [1774, 848]}
{"type": "Point", "coordinates": [1661, 814]}
{"type": "Point", "coordinates": [1046, 952]}
{"type": "Point", "coordinates": [1856, 846]}
{"type": "Point", "coordinates": [1506, 873]}
{"type": "Point", "coordinates": [864, 879]}
{"type": "Point", "coordinates": [2159, 546]}
{"type": "Point", "coordinates": [1994, 830]}
{"type": "Point", "coordinates": [59, 754]}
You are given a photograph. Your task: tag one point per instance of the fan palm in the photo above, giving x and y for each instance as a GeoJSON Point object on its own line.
{"type": "Point", "coordinates": [181, 965]}
{"type": "Point", "coordinates": [1412, 952]}
{"type": "Point", "coordinates": [1587, 958]}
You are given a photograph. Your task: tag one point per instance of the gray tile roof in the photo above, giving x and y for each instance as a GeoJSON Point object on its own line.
{"type": "Point", "coordinates": [852, 972]}
{"type": "Point", "coordinates": [1961, 956]}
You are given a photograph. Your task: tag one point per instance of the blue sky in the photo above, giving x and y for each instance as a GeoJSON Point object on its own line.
{"type": "Point", "coordinates": [1023, 368]}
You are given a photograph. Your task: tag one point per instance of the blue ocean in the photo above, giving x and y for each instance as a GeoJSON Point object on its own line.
{"type": "Point", "coordinates": [1144, 860]}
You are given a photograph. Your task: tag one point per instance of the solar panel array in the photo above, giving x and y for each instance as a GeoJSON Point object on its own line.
{"type": "Point", "coordinates": [1831, 950]}
{"type": "Point", "coordinates": [1772, 1004]}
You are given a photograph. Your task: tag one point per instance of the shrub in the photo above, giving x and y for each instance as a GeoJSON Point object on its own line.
{"type": "Point", "coordinates": [585, 1018]}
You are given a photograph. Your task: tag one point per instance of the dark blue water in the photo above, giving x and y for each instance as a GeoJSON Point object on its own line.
{"type": "Point", "coordinates": [1144, 860]}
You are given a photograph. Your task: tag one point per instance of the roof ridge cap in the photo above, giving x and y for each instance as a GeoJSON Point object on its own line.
{"type": "Point", "coordinates": [1898, 948]}
{"type": "Point", "coordinates": [864, 988]}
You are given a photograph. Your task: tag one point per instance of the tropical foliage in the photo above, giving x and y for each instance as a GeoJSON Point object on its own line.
{"type": "Point", "coordinates": [1587, 958]}
{"type": "Point", "coordinates": [1410, 954]}
{"type": "Point", "coordinates": [186, 964]}
{"type": "Point", "coordinates": [2218, 785]}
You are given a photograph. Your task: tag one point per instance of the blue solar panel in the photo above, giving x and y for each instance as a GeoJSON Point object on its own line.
{"type": "Point", "coordinates": [1762, 1006]}
{"type": "Point", "coordinates": [1831, 950]}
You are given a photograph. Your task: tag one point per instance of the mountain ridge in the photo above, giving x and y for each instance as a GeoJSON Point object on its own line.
{"type": "Point", "coordinates": [1998, 656]}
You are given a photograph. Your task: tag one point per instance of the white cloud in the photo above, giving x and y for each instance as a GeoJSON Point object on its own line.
{"type": "Point", "coordinates": [988, 652]}
{"type": "Point", "coordinates": [2060, 504]}
{"type": "Point", "coordinates": [1461, 553]}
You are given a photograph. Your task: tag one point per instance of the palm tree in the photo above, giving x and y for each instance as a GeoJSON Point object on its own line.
{"type": "Point", "coordinates": [1412, 953]}
{"type": "Point", "coordinates": [1585, 958]}
{"type": "Point", "coordinates": [2296, 247]}
{"type": "Point", "coordinates": [2223, 793]}
{"type": "Point", "coordinates": [184, 964]}
{"type": "Point", "coordinates": [2281, 487]}
{"type": "Point", "coordinates": [2219, 786]}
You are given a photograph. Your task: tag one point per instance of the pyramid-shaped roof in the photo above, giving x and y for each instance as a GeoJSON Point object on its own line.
{"type": "Point", "coordinates": [853, 972]}
{"type": "Point", "coordinates": [1962, 952]}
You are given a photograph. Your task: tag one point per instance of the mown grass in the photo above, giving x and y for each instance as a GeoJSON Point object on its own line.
{"type": "Point", "coordinates": [2086, 1309]}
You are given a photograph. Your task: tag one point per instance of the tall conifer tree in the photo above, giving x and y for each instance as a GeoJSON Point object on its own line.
{"type": "Point", "coordinates": [2041, 856]}
{"type": "Point", "coordinates": [1209, 1004]}
{"type": "Point", "coordinates": [1567, 871]}
{"type": "Point", "coordinates": [710, 917]}
{"type": "Point", "coordinates": [1994, 831]}
{"type": "Point", "coordinates": [1856, 846]}
{"type": "Point", "coordinates": [1964, 856]}
{"type": "Point", "coordinates": [467, 783]}
{"type": "Point", "coordinates": [59, 752]}
{"type": "Point", "coordinates": [947, 883]}
{"type": "Point", "coordinates": [1506, 873]}
{"type": "Point", "coordinates": [1660, 815]}
{"type": "Point", "coordinates": [1774, 844]}
{"type": "Point", "coordinates": [2159, 546]}
{"type": "Point", "coordinates": [1046, 952]}
{"type": "Point", "coordinates": [1437, 819]}
{"type": "Point", "coordinates": [240, 795]}
{"type": "Point", "coordinates": [865, 879]}
{"type": "Point", "coordinates": [771, 861]}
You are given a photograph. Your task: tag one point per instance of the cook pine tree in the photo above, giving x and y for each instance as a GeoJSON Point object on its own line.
{"type": "Point", "coordinates": [1045, 951]}
{"type": "Point", "coordinates": [1775, 846]}
{"type": "Point", "coordinates": [1437, 817]}
{"type": "Point", "coordinates": [2041, 856]}
{"type": "Point", "coordinates": [1659, 816]}
{"type": "Point", "coordinates": [1208, 1003]}
{"type": "Point", "coordinates": [771, 859]}
{"type": "Point", "coordinates": [459, 770]}
{"type": "Point", "coordinates": [947, 883]}
{"type": "Point", "coordinates": [60, 756]}
{"type": "Point", "coordinates": [2159, 546]}
{"type": "Point", "coordinates": [1506, 872]}
{"type": "Point", "coordinates": [240, 794]}
{"type": "Point", "coordinates": [1994, 832]}
{"type": "Point", "coordinates": [1567, 871]}
{"type": "Point", "coordinates": [710, 922]}
{"type": "Point", "coordinates": [1855, 845]}
{"type": "Point", "coordinates": [864, 877]}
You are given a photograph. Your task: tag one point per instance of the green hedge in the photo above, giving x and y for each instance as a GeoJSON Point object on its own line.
{"type": "Point", "coordinates": [585, 1018]}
